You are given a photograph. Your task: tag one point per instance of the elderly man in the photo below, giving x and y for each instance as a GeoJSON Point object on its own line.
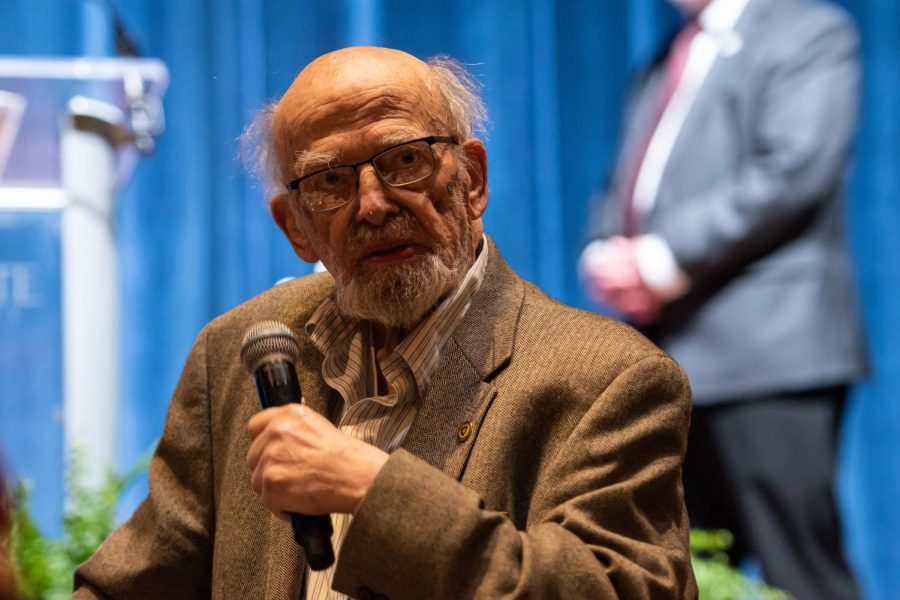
{"type": "Point", "coordinates": [470, 436]}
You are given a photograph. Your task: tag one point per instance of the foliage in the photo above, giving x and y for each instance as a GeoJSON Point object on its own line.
{"type": "Point", "coordinates": [44, 566]}
{"type": "Point", "coordinates": [716, 578]}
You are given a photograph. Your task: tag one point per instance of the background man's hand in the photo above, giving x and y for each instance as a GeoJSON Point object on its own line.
{"type": "Point", "coordinates": [300, 462]}
{"type": "Point", "coordinates": [616, 282]}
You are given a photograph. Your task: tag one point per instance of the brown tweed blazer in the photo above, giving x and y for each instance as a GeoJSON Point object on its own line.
{"type": "Point", "coordinates": [568, 484]}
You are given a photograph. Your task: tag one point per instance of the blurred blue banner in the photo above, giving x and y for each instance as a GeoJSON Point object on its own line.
{"type": "Point", "coordinates": [31, 434]}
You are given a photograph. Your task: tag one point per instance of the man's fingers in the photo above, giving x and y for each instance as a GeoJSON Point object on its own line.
{"type": "Point", "coordinates": [259, 421]}
{"type": "Point", "coordinates": [265, 424]}
{"type": "Point", "coordinates": [257, 444]}
{"type": "Point", "coordinates": [256, 478]}
{"type": "Point", "coordinates": [258, 438]}
{"type": "Point", "coordinates": [299, 461]}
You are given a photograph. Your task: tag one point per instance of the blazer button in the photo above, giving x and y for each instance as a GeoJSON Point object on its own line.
{"type": "Point", "coordinates": [464, 431]}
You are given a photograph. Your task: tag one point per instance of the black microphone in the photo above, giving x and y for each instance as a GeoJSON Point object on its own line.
{"type": "Point", "coordinates": [268, 352]}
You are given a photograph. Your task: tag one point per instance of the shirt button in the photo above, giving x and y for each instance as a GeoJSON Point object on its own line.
{"type": "Point", "coordinates": [464, 431]}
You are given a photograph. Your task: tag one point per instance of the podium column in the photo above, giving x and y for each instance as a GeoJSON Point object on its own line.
{"type": "Point", "coordinates": [90, 282]}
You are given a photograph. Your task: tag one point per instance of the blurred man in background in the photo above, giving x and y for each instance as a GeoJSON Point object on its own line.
{"type": "Point", "coordinates": [722, 237]}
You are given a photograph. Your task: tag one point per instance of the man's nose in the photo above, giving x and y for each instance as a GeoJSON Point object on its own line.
{"type": "Point", "coordinates": [374, 204]}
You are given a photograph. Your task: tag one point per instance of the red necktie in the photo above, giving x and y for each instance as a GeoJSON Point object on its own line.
{"type": "Point", "coordinates": [674, 70]}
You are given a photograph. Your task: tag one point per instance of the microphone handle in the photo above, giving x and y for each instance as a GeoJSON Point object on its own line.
{"type": "Point", "coordinates": [277, 385]}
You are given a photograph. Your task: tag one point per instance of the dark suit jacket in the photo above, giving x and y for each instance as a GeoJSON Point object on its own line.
{"type": "Point", "coordinates": [569, 485]}
{"type": "Point", "coordinates": [750, 203]}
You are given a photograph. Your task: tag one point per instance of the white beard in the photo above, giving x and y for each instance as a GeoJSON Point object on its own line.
{"type": "Point", "coordinates": [400, 296]}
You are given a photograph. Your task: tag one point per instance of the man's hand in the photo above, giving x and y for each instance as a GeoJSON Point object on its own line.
{"type": "Point", "coordinates": [302, 463]}
{"type": "Point", "coordinates": [615, 281]}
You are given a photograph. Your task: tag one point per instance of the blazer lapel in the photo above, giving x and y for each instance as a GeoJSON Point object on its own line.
{"type": "Point", "coordinates": [460, 392]}
{"type": "Point", "coordinates": [286, 567]}
{"type": "Point", "coordinates": [445, 425]}
{"type": "Point", "coordinates": [316, 393]}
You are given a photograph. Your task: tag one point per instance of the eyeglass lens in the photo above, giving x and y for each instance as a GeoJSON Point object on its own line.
{"type": "Point", "coordinates": [398, 166]}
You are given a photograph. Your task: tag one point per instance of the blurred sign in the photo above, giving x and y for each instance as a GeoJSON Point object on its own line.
{"type": "Point", "coordinates": [31, 434]}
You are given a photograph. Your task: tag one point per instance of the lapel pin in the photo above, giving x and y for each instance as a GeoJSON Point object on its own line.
{"type": "Point", "coordinates": [464, 431]}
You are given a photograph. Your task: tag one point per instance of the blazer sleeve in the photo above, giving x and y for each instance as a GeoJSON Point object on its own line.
{"type": "Point", "coordinates": [804, 87]}
{"type": "Point", "coordinates": [606, 518]}
{"type": "Point", "coordinates": [164, 549]}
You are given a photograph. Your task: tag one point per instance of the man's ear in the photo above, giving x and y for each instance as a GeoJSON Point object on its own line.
{"type": "Point", "coordinates": [287, 218]}
{"type": "Point", "coordinates": [476, 201]}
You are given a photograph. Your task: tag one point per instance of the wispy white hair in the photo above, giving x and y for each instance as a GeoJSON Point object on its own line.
{"type": "Point", "coordinates": [462, 112]}
{"type": "Point", "coordinates": [458, 92]}
{"type": "Point", "coordinates": [257, 151]}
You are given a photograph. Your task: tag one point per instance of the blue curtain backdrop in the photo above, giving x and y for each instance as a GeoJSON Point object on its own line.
{"type": "Point", "coordinates": [196, 239]}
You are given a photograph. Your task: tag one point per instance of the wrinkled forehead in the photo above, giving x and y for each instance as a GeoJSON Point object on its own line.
{"type": "Point", "coordinates": [351, 99]}
{"type": "Point", "coordinates": [318, 115]}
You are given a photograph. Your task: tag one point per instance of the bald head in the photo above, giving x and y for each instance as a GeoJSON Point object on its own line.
{"type": "Point", "coordinates": [347, 89]}
{"type": "Point", "coordinates": [359, 65]}
{"type": "Point", "coordinates": [343, 74]}
{"type": "Point", "coordinates": [336, 84]}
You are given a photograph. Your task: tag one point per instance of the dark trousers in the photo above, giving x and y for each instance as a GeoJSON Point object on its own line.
{"type": "Point", "coordinates": [764, 469]}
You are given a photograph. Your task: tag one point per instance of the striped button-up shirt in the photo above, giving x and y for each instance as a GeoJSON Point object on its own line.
{"type": "Point", "coordinates": [351, 368]}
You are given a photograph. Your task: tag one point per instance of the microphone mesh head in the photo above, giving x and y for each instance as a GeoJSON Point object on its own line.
{"type": "Point", "coordinates": [266, 338]}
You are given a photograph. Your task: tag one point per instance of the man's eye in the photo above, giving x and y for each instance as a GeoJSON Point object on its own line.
{"type": "Point", "coordinates": [402, 159]}
{"type": "Point", "coordinates": [408, 157]}
{"type": "Point", "coordinates": [330, 180]}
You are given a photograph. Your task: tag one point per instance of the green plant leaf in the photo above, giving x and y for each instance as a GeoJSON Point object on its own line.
{"type": "Point", "coordinates": [44, 566]}
{"type": "Point", "coordinates": [716, 578]}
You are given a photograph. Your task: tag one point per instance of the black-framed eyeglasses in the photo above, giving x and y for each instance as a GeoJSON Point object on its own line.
{"type": "Point", "coordinates": [398, 165]}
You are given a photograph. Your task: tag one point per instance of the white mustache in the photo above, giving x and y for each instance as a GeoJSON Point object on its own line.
{"type": "Point", "coordinates": [402, 226]}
